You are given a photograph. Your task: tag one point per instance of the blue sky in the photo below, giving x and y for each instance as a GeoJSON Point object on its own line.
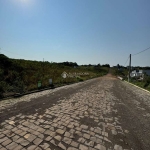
{"type": "Point", "coordinates": [82, 31]}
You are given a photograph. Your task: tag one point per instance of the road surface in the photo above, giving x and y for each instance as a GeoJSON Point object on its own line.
{"type": "Point", "coordinates": [99, 114]}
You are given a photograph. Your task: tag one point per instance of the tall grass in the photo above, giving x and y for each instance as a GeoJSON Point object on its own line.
{"type": "Point", "coordinates": [19, 76]}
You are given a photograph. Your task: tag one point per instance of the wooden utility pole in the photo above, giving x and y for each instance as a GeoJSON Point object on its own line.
{"type": "Point", "coordinates": [129, 69]}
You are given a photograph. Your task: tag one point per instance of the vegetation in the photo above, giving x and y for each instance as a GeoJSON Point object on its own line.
{"type": "Point", "coordinates": [120, 71]}
{"type": "Point", "coordinates": [20, 76]}
{"type": "Point", "coordinates": [123, 72]}
{"type": "Point", "coordinates": [145, 83]}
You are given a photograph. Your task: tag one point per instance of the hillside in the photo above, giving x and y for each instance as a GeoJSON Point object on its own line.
{"type": "Point", "coordinates": [20, 76]}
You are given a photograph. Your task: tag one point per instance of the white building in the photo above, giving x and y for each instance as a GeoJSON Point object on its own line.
{"type": "Point", "coordinates": [140, 73]}
{"type": "Point", "coordinates": [136, 73]}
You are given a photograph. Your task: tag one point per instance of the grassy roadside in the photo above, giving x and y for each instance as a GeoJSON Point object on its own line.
{"type": "Point", "coordinates": [21, 76]}
{"type": "Point", "coordinates": [145, 84]}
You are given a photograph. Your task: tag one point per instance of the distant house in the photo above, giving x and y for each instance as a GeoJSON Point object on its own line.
{"type": "Point", "coordinates": [139, 73]}
{"type": "Point", "coordinates": [136, 73]}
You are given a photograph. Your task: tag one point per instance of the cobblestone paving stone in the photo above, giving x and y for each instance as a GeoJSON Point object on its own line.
{"type": "Point", "coordinates": [27, 98]}
{"type": "Point", "coordinates": [143, 97]}
{"type": "Point", "coordinates": [86, 121]}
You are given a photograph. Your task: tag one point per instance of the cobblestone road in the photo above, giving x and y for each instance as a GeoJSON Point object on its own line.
{"type": "Point", "coordinates": [85, 120]}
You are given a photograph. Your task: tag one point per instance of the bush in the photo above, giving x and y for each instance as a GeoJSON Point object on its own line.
{"type": "Point", "coordinates": [147, 82]}
{"type": "Point", "coordinates": [1, 91]}
{"type": "Point", "coordinates": [80, 79]}
{"type": "Point", "coordinates": [19, 86]}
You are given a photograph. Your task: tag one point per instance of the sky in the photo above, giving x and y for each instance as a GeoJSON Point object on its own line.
{"type": "Point", "coordinates": [82, 31]}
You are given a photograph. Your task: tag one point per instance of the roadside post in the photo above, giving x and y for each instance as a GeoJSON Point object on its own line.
{"type": "Point", "coordinates": [50, 82]}
{"type": "Point", "coordinates": [39, 84]}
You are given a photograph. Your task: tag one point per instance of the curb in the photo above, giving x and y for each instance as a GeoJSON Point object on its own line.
{"type": "Point", "coordinates": [27, 93]}
{"type": "Point", "coordinates": [40, 90]}
{"type": "Point", "coordinates": [137, 86]}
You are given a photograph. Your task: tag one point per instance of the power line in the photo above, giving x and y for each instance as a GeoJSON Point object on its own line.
{"type": "Point", "coordinates": [127, 60]}
{"type": "Point", "coordinates": [141, 51]}
{"type": "Point", "coordinates": [16, 54]}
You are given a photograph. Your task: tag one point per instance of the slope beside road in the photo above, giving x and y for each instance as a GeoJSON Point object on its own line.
{"type": "Point", "coordinates": [99, 114]}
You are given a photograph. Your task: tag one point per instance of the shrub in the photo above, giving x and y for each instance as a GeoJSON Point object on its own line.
{"type": "Point", "coordinates": [147, 82]}
{"type": "Point", "coordinates": [80, 79]}
{"type": "Point", "coordinates": [1, 91]}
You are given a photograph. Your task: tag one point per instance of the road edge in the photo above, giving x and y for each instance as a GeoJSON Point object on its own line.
{"type": "Point", "coordinates": [137, 87]}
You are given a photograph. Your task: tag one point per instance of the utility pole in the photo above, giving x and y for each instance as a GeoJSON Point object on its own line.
{"type": "Point", "coordinates": [43, 68]}
{"type": "Point", "coordinates": [129, 69]}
